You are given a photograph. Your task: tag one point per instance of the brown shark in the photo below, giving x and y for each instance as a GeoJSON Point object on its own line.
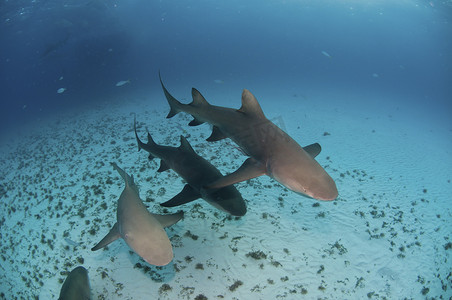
{"type": "Point", "coordinates": [197, 172]}
{"type": "Point", "coordinates": [271, 151]}
{"type": "Point", "coordinates": [140, 229]}
{"type": "Point", "coordinates": [76, 286]}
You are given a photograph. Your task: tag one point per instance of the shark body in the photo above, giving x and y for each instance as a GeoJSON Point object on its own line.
{"type": "Point", "coordinates": [143, 231]}
{"type": "Point", "coordinates": [76, 285]}
{"type": "Point", "coordinates": [271, 151]}
{"type": "Point", "coordinates": [197, 172]}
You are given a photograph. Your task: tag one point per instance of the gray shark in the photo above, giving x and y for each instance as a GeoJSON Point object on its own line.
{"type": "Point", "coordinates": [140, 229]}
{"type": "Point", "coordinates": [197, 172]}
{"type": "Point", "coordinates": [271, 151]}
{"type": "Point", "coordinates": [53, 47]}
{"type": "Point", "coordinates": [76, 286]}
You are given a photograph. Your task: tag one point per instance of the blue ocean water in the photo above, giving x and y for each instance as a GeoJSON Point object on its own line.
{"type": "Point", "coordinates": [344, 68]}
{"type": "Point", "coordinates": [373, 47]}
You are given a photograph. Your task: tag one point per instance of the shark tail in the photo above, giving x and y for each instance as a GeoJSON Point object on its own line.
{"type": "Point", "coordinates": [151, 147]}
{"type": "Point", "coordinates": [140, 143]}
{"type": "Point", "coordinates": [175, 105]}
{"type": "Point", "coordinates": [147, 147]}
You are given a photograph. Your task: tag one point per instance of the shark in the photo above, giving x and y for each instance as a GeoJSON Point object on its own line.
{"type": "Point", "coordinates": [270, 150]}
{"type": "Point", "coordinates": [197, 172]}
{"type": "Point", "coordinates": [76, 285]}
{"type": "Point", "coordinates": [53, 47]}
{"type": "Point", "coordinates": [143, 231]}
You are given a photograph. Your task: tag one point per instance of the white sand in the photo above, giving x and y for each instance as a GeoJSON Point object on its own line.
{"type": "Point", "coordinates": [384, 237]}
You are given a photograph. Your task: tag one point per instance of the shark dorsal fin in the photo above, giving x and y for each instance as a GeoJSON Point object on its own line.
{"type": "Point", "coordinates": [150, 140]}
{"type": "Point", "coordinates": [250, 106]}
{"type": "Point", "coordinates": [185, 145]}
{"type": "Point", "coordinates": [198, 99]}
{"type": "Point", "coordinates": [150, 144]}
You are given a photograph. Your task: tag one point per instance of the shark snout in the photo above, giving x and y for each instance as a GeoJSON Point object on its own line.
{"type": "Point", "coordinates": [160, 259]}
{"type": "Point", "coordinates": [327, 195]}
{"type": "Point", "coordinates": [326, 191]}
{"type": "Point", "coordinates": [320, 188]}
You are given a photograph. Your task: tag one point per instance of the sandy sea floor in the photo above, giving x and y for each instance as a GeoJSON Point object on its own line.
{"type": "Point", "coordinates": [387, 236]}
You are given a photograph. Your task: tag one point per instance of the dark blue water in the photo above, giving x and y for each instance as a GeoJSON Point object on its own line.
{"type": "Point", "coordinates": [382, 47]}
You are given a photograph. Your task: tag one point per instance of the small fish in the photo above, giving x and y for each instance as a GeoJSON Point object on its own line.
{"type": "Point", "coordinates": [219, 81]}
{"type": "Point", "coordinates": [61, 78]}
{"type": "Point", "coordinates": [122, 82]}
{"type": "Point", "coordinates": [61, 90]}
{"type": "Point", "coordinates": [326, 54]}
{"type": "Point", "coordinates": [71, 242]}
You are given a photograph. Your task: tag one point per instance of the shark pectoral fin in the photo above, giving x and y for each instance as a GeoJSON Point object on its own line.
{"type": "Point", "coordinates": [163, 166]}
{"type": "Point", "coordinates": [313, 149]}
{"type": "Point", "coordinates": [112, 236]}
{"type": "Point", "coordinates": [216, 135]}
{"type": "Point", "coordinates": [251, 168]}
{"type": "Point", "coordinates": [168, 220]}
{"type": "Point", "coordinates": [187, 195]}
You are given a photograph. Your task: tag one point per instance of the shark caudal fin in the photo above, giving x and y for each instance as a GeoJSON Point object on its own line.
{"type": "Point", "coordinates": [139, 142]}
{"type": "Point", "coordinates": [147, 147]}
{"type": "Point", "coordinates": [173, 102]}
{"type": "Point", "coordinates": [151, 147]}
{"type": "Point", "coordinates": [176, 106]}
